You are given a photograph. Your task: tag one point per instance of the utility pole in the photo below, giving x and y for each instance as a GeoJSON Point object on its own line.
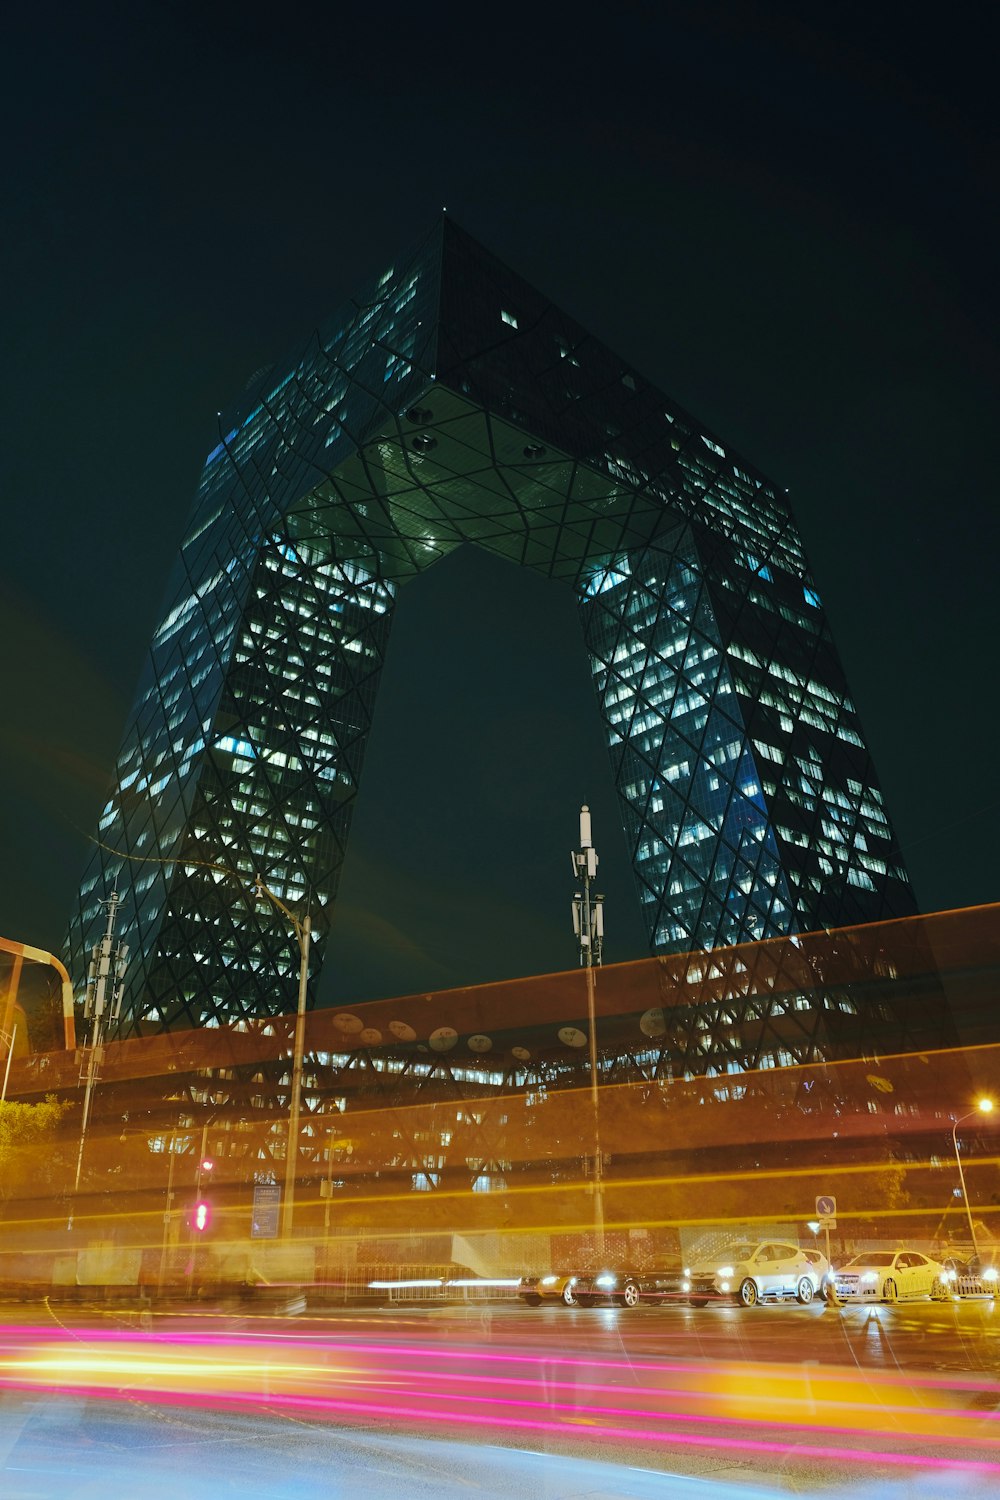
{"type": "Point", "coordinates": [588, 924]}
{"type": "Point", "coordinates": [8, 1042]}
{"type": "Point", "coordinates": [172, 1150]}
{"type": "Point", "coordinates": [302, 927]}
{"type": "Point", "coordinates": [103, 1002]}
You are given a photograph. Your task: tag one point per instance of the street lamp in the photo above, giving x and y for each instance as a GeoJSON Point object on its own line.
{"type": "Point", "coordinates": [303, 929]}
{"type": "Point", "coordinates": [103, 1002]}
{"type": "Point", "coordinates": [983, 1107]}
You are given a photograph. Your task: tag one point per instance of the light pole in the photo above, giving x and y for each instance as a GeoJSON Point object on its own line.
{"type": "Point", "coordinates": [8, 1042]}
{"type": "Point", "coordinates": [302, 927]}
{"type": "Point", "coordinates": [588, 924]}
{"type": "Point", "coordinates": [167, 1212]}
{"type": "Point", "coordinates": [105, 983]}
{"type": "Point", "coordinates": [984, 1107]}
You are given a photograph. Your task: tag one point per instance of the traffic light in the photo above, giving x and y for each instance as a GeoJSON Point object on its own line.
{"type": "Point", "coordinates": [201, 1217]}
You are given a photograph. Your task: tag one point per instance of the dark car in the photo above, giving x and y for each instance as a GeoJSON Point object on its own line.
{"type": "Point", "coordinates": [613, 1286]}
{"type": "Point", "coordinates": [619, 1288]}
{"type": "Point", "coordinates": [581, 1288]}
{"type": "Point", "coordinates": [974, 1276]}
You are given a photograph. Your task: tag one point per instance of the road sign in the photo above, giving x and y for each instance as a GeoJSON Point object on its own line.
{"type": "Point", "coordinates": [826, 1208]}
{"type": "Point", "coordinates": [266, 1210]}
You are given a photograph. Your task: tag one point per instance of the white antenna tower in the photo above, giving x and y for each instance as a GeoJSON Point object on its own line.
{"type": "Point", "coordinates": [588, 924]}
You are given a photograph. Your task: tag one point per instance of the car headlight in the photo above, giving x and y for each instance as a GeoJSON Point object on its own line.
{"type": "Point", "coordinates": [607, 1280]}
{"type": "Point", "coordinates": [947, 1276]}
{"type": "Point", "coordinates": [870, 1276]}
{"type": "Point", "coordinates": [724, 1286]}
{"type": "Point", "coordinates": [725, 1271]}
{"type": "Point", "coordinates": [685, 1286]}
{"type": "Point", "coordinates": [990, 1274]}
{"type": "Point", "coordinates": [549, 1280]}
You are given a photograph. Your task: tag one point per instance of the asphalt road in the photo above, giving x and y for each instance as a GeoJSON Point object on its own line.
{"type": "Point", "coordinates": [499, 1399]}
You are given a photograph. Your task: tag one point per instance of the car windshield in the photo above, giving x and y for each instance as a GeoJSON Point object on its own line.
{"type": "Point", "coordinates": [873, 1258]}
{"type": "Point", "coordinates": [740, 1252]}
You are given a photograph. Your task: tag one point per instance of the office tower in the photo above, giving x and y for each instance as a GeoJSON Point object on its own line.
{"type": "Point", "coordinates": [451, 403]}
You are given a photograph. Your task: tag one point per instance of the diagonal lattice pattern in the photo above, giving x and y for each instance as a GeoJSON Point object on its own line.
{"type": "Point", "coordinates": [451, 404]}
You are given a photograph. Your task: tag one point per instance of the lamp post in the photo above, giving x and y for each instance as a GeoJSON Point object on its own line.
{"type": "Point", "coordinates": [302, 927]}
{"type": "Point", "coordinates": [105, 985]}
{"type": "Point", "coordinates": [8, 1042]}
{"type": "Point", "coordinates": [167, 1211]}
{"type": "Point", "coordinates": [984, 1107]}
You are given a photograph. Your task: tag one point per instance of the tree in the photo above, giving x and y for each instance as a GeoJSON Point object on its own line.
{"type": "Point", "coordinates": [24, 1128]}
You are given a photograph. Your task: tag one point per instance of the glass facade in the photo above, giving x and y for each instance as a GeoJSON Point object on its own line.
{"type": "Point", "coordinates": [451, 403]}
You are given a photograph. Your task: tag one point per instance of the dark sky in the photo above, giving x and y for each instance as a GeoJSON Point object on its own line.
{"type": "Point", "coordinates": [784, 216]}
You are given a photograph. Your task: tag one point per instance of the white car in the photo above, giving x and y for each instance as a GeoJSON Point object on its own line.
{"type": "Point", "coordinates": [889, 1276]}
{"type": "Point", "coordinates": [750, 1272]}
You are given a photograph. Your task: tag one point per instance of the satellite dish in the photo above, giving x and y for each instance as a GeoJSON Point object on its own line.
{"type": "Point", "coordinates": [346, 1022]}
{"type": "Point", "coordinates": [521, 1053]}
{"type": "Point", "coordinates": [479, 1043]}
{"type": "Point", "coordinates": [370, 1037]}
{"type": "Point", "coordinates": [402, 1031]}
{"type": "Point", "coordinates": [571, 1036]}
{"type": "Point", "coordinates": [652, 1022]}
{"type": "Point", "coordinates": [443, 1039]}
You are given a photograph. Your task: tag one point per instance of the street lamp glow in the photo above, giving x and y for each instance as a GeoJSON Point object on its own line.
{"type": "Point", "coordinates": [984, 1106]}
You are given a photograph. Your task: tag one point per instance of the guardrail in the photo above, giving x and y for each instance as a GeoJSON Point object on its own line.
{"type": "Point", "coordinates": [435, 1284]}
{"type": "Point", "coordinates": [974, 1286]}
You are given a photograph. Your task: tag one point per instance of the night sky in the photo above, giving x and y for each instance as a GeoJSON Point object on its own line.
{"type": "Point", "coordinates": [783, 216]}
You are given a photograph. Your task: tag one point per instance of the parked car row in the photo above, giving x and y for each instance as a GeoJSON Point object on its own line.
{"type": "Point", "coordinates": [770, 1270]}
{"type": "Point", "coordinates": [749, 1272]}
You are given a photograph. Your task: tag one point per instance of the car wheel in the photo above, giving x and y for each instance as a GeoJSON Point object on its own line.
{"type": "Point", "coordinates": [889, 1291]}
{"type": "Point", "coordinates": [629, 1295]}
{"type": "Point", "coordinates": [532, 1299]}
{"type": "Point", "coordinates": [568, 1296]}
{"type": "Point", "coordinates": [805, 1291]}
{"type": "Point", "coordinates": [698, 1301]}
{"type": "Point", "coordinates": [747, 1293]}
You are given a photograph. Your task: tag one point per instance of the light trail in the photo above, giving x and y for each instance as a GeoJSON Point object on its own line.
{"type": "Point", "coordinates": [834, 1415]}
